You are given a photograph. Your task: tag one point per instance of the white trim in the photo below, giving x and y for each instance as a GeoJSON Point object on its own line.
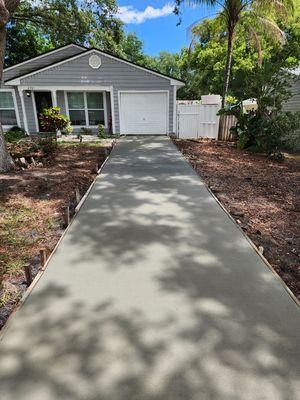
{"type": "Point", "coordinates": [36, 120]}
{"type": "Point", "coordinates": [44, 55]}
{"type": "Point", "coordinates": [45, 88]}
{"type": "Point", "coordinates": [25, 121]}
{"type": "Point", "coordinates": [105, 110]}
{"type": "Point", "coordinates": [86, 110]}
{"type": "Point", "coordinates": [66, 104]}
{"type": "Point", "coordinates": [54, 98]}
{"type": "Point", "coordinates": [16, 108]}
{"type": "Point", "coordinates": [112, 106]}
{"type": "Point", "coordinates": [174, 109]}
{"type": "Point", "coordinates": [146, 91]}
{"type": "Point", "coordinates": [17, 81]}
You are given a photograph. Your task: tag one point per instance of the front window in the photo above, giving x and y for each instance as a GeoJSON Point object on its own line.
{"type": "Point", "coordinates": [86, 108]}
{"type": "Point", "coordinates": [7, 109]}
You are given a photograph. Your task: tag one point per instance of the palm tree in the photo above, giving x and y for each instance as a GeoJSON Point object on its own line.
{"type": "Point", "coordinates": [251, 12]}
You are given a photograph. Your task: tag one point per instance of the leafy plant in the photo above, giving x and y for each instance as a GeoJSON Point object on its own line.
{"type": "Point", "coordinates": [52, 120]}
{"type": "Point", "coordinates": [14, 134]}
{"type": "Point", "coordinates": [101, 131]}
{"type": "Point", "coordinates": [68, 129]}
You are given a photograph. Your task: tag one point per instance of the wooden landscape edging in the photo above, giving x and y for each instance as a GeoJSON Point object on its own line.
{"type": "Point", "coordinates": [38, 276]}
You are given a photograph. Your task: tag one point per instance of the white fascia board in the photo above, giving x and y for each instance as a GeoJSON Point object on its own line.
{"type": "Point", "coordinates": [17, 81]}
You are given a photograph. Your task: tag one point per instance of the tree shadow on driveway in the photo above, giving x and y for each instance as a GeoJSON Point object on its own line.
{"type": "Point", "coordinates": [153, 294]}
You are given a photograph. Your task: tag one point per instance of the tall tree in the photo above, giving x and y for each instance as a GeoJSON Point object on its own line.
{"type": "Point", "coordinates": [234, 12]}
{"type": "Point", "coordinates": [58, 22]}
{"type": "Point", "coordinates": [7, 8]}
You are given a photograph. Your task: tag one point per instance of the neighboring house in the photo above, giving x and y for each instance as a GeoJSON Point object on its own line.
{"type": "Point", "coordinates": [293, 104]}
{"type": "Point", "coordinates": [92, 87]}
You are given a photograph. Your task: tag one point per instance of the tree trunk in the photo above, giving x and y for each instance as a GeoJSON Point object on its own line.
{"type": "Point", "coordinates": [231, 30]}
{"type": "Point", "coordinates": [5, 158]}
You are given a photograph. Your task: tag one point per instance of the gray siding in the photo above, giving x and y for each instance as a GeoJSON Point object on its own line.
{"type": "Point", "coordinates": [47, 59]}
{"type": "Point", "coordinates": [111, 73]}
{"type": "Point", "coordinates": [293, 104]}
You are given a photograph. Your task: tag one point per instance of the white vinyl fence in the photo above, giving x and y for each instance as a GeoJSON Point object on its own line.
{"type": "Point", "coordinates": [198, 120]}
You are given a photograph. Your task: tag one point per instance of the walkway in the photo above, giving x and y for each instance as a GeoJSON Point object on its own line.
{"type": "Point", "coordinates": [153, 294]}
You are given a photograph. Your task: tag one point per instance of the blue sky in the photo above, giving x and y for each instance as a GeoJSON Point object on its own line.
{"type": "Point", "coordinates": [154, 23]}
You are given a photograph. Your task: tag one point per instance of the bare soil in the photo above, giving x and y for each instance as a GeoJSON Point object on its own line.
{"type": "Point", "coordinates": [263, 196]}
{"type": "Point", "coordinates": [33, 206]}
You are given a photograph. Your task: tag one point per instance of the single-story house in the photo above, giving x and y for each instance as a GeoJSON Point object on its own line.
{"type": "Point", "coordinates": [91, 87]}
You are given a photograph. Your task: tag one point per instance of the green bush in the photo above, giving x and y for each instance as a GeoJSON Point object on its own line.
{"type": "Point", "coordinates": [265, 132]}
{"type": "Point", "coordinates": [68, 129]}
{"type": "Point", "coordinates": [14, 134]}
{"type": "Point", "coordinates": [291, 137]}
{"type": "Point", "coordinates": [101, 131]}
{"type": "Point", "coordinates": [47, 144]}
{"type": "Point", "coordinates": [52, 120]}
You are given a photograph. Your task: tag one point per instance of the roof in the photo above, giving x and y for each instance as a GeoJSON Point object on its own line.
{"type": "Point", "coordinates": [86, 50]}
{"type": "Point", "coordinates": [28, 60]}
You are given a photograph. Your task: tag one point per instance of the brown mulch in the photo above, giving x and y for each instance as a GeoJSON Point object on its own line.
{"type": "Point", "coordinates": [263, 196]}
{"type": "Point", "coordinates": [33, 206]}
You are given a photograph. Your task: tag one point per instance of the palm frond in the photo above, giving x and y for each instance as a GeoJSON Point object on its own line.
{"type": "Point", "coordinates": [281, 7]}
{"type": "Point", "coordinates": [271, 29]}
{"type": "Point", "coordinates": [255, 39]}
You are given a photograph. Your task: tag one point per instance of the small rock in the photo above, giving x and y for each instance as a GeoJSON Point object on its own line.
{"type": "Point", "coordinates": [261, 250]}
{"type": "Point", "coordinates": [23, 162]}
{"type": "Point", "coordinates": [289, 240]}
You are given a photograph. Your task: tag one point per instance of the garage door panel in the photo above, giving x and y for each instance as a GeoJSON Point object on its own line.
{"type": "Point", "coordinates": [143, 113]}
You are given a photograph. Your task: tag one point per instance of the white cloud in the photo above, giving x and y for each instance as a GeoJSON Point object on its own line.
{"type": "Point", "coordinates": [130, 15]}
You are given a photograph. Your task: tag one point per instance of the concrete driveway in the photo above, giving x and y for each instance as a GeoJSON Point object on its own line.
{"type": "Point", "coordinates": [153, 294]}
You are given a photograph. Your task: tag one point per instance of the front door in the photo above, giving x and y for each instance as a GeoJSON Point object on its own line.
{"type": "Point", "coordinates": [42, 100]}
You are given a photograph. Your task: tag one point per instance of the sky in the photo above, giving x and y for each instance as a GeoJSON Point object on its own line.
{"type": "Point", "coordinates": [154, 22]}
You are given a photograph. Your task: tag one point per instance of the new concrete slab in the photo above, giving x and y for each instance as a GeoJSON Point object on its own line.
{"type": "Point", "coordinates": [153, 294]}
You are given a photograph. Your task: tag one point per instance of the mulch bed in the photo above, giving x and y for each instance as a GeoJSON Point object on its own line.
{"type": "Point", "coordinates": [263, 196]}
{"type": "Point", "coordinates": [33, 206]}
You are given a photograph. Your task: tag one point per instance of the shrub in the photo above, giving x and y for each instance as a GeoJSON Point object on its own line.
{"type": "Point", "coordinates": [52, 120]}
{"type": "Point", "coordinates": [68, 129]}
{"type": "Point", "coordinates": [101, 131]}
{"type": "Point", "coordinates": [14, 134]}
{"type": "Point", "coordinates": [291, 137]}
{"type": "Point", "coordinates": [265, 131]}
{"type": "Point", "coordinates": [47, 144]}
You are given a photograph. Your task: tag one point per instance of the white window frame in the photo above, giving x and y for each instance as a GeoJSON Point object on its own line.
{"type": "Point", "coordinates": [86, 109]}
{"type": "Point", "coordinates": [16, 109]}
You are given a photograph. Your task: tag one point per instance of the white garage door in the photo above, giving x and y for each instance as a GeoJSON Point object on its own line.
{"type": "Point", "coordinates": [143, 113]}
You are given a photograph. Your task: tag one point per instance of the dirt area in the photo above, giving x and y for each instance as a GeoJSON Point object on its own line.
{"type": "Point", "coordinates": [33, 206]}
{"type": "Point", "coordinates": [263, 197]}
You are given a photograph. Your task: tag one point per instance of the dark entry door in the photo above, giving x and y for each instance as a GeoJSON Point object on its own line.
{"type": "Point", "coordinates": [42, 100]}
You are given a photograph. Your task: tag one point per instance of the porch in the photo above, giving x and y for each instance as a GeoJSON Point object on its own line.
{"type": "Point", "coordinates": [86, 107]}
